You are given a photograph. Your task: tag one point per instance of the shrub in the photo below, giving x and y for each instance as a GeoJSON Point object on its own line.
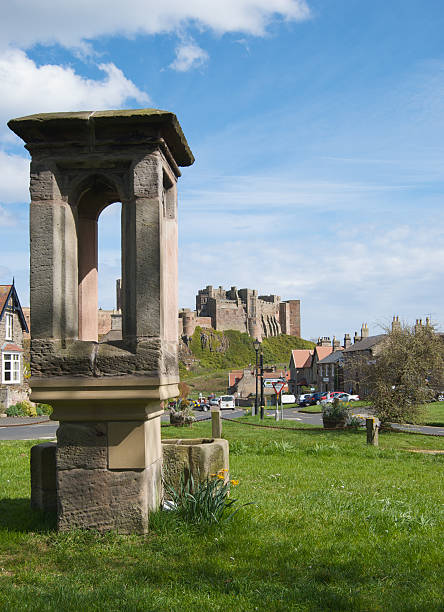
{"type": "Point", "coordinates": [43, 409]}
{"type": "Point", "coordinates": [336, 410]}
{"type": "Point", "coordinates": [24, 408]}
{"type": "Point", "coordinates": [14, 411]}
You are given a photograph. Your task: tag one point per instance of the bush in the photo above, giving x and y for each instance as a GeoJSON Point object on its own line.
{"type": "Point", "coordinates": [336, 410]}
{"type": "Point", "coordinates": [43, 409]}
{"type": "Point", "coordinates": [24, 408]}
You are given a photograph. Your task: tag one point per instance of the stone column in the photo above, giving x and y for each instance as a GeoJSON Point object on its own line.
{"type": "Point", "coordinates": [108, 397]}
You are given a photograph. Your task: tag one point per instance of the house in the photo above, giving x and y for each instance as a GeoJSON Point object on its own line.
{"type": "Point", "coordinates": [13, 387]}
{"type": "Point", "coordinates": [331, 372]}
{"type": "Point", "coordinates": [300, 369]}
{"type": "Point", "coordinates": [242, 383]}
{"type": "Point", "coordinates": [362, 351]}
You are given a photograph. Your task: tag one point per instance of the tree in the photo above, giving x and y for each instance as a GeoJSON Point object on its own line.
{"type": "Point", "coordinates": [407, 372]}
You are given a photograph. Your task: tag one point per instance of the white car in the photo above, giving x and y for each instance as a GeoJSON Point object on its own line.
{"type": "Point", "coordinates": [227, 402]}
{"type": "Point", "coordinates": [348, 397]}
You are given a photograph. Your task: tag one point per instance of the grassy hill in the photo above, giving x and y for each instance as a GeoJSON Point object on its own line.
{"type": "Point", "coordinates": [212, 354]}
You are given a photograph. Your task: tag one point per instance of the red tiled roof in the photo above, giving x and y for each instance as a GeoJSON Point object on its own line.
{"type": "Point", "coordinates": [302, 357]}
{"type": "Point", "coordinates": [234, 376]}
{"type": "Point", "coordinates": [277, 374]}
{"type": "Point", "coordinates": [323, 351]}
{"type": "Point", "coordinates": [11, 347]}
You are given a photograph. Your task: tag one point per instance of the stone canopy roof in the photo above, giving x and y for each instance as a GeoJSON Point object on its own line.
{"type": "Point", "coordinates": [88, 127]}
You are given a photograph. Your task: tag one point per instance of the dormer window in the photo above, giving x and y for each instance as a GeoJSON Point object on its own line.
{"type": "Point", "coordinates": [9, 319]}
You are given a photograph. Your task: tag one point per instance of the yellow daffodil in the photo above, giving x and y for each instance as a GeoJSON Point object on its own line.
{"type": "Point", "coordinates": [234, 482]}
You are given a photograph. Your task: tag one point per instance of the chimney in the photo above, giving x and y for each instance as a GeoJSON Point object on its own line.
{"type": "Point", "coordinates": [396, 325]}
{"type": "Point", "coordinates": [356, 338]}
{"type": "Point", "coordinates": [364, 331]}
{"type": "Point", "coordinates": [335, 344]}
{"type": "Point", "coordinates": [347, 341]}
{"type": "Point", "coordinates": [418, 324]}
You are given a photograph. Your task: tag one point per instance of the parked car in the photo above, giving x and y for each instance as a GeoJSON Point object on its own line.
{"type": "Point", "coordinates": [287, 398]}
{"type": "Point", "coordinates": [227, 402]}
{"type": "Point", "coordinates": [214, 401]}
{"type": "Point", "coordinates": [303, 396]}
{"type": "Point", "coordinates": [304, 399]}
{"type": "Point", "coordinates": [348, 397]}
{"type": "Point", "coordinates": [204, 406]}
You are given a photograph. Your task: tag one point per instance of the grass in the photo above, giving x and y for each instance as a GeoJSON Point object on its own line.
{"type": "Point", "coordinates": [337, 525]}
{"type": "Point", "coordinates": [311, 409]}
{"type": "Point", "coordinates": [434, 414]}
{"type": "Point", "coordinates": [231, 349]}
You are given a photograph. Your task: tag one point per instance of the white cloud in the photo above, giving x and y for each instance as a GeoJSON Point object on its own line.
{"type": "Point", "coordinates": [188, 55]}
{"type": "Point", "coordinates": [71, 22]}
{"type": "Point", "coordinates": [27, 87]}
{"type": "Point", "coordinates": [14, 178]}
{"type": "Point", "coordinates": [379, 272]}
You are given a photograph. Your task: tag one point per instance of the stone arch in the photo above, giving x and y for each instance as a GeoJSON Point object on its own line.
{"type": "Point", "coordinates": [90, 197]}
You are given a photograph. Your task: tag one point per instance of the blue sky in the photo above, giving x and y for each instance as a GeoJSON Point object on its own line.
{"type": "Point", "coordinates": [317, 127]}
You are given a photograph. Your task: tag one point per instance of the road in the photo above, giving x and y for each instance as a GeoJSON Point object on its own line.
{"type": "Point", "coordinates": [25, 429]}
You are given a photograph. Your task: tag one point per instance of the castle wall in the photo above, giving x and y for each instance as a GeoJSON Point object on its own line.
{"type": "Point", "coordinates": [229, 315]}
{"type": "Point", "coordinates": [245, 311]}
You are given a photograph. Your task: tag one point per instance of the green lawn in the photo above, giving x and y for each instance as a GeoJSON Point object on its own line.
{"type": "Point", "coordinates": [311, 409]}
{"type": "Point", "coordinates": [434, 414]}
{"type": "Point", "coordinates": [337, 525]}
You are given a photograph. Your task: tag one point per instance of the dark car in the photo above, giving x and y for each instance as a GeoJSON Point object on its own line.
{"type": "Point", "coordinates": [204, 406]}
{"type": "Point", "coordinates": [316, 398]}
{"type": "Point", "coordinates": [305, 401]}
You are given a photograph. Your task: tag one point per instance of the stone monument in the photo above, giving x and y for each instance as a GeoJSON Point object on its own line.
{"type": "Point", "coordinates": [108, 396]}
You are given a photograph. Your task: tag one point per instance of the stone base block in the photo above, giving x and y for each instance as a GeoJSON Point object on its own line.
{"type": "Point", "coordinates": [198, 457]}
{"type": "Point", "coordinates": [43, 477]}
{"type": "Point", "coordinates": [108, 500]}
{"type": "Point", "coordinates": [108, 475]}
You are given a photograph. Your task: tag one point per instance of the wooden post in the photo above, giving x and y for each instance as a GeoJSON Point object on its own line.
{"type": "Point", "coordinates": [216, 424]}
{"type": "Point", "coordinates": [372, 431]}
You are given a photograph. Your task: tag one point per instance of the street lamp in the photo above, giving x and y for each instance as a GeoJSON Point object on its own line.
{"type": "Point", "coordinates": [257, 346]}
{"type": "Point", "coordinates": [261, 364]}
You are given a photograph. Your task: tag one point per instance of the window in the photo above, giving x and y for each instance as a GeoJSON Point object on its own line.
{"type": "Point", "coordinates": [9, 318]}
{"type": "Point", "coordinates": [11, 368]}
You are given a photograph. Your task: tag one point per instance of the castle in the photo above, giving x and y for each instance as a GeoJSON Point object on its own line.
{"type": "Point", "coordinates": [260, 316]}
{"type": "Point", "coordinates": [243, 310]}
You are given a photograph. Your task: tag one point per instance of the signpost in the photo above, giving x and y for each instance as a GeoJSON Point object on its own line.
{"type": "Point", "coordinates": [278, 386]}
{"type": "Point", "coordinates": [270, 382]}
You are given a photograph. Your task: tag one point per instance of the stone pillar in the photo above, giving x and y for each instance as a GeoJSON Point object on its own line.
{"type": "Point", "coordinates": [108, 397]}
